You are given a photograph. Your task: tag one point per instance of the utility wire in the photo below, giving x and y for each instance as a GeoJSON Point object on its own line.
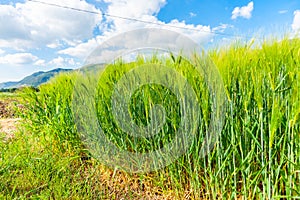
{"type": "Point", "coordinates": [66, 7]}
{"type": "Point", "coordinates": [134, 19]}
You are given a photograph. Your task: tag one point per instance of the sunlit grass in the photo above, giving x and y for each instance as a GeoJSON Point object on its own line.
{"type": "Point", "coordinates": [256, 157]}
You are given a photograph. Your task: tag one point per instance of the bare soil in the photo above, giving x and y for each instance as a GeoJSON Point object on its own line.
{"type": "Point", "coordinates": [8, 120]}
{"type": "Point", "coordinates": [8, 127]}
{"type": "Point", "coordinates": [6, 109]}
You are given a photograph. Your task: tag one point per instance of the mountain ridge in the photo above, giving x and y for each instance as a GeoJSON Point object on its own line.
{"type": "Point", "coordinates": [34, 79]}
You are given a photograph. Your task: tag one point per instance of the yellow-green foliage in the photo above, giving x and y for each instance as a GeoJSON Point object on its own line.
{"type": "Point", "coordinates": [257, 155]}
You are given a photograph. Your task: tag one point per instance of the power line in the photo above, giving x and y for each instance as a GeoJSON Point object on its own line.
{"type": "Point", "coordinates": [66, 7]}
{"type": "Point", "coordinates": [134, 19]}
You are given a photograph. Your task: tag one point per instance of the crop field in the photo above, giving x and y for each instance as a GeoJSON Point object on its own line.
{"type": "Point", "coordinates": [257, 155]}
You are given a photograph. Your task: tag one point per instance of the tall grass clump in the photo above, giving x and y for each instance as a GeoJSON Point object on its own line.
{"type": "Point", "coordinates": [48, 112]}
{"type": "Point", "coordinates": [257, 155]}
{"type": "Point", "coordinates": [141, 103]}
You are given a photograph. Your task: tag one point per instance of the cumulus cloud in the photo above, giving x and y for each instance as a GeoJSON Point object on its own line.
{"type": "Point", "coordinates": [2, 51]}
{"type": "Point", "coordinates": [142, 10]}
{"type": "Point", "coordinates": [54, 44]}
{"type": "Point", "coordinates": [296, 21]}
{"type": "Point", "coordinates": [82, 50]}
{"type": "Point", "coordinates": [70, 34]}
{"type": "Point", "coordinates": [133, 8]}
{"type": "Point", "coordinates": [40, 62]}
{"type": "Point", "coordinates": [18, 59]}
{"type": "Point", "coordinates": [13, 24]}
{"type": "Point", "coordinates": [31, 25]}
{"type": "Point", "coordinates": [198, 33]}
{"type": "Point", "coordinates": [59, 61]}
{"type": "Point", "coordinates": [62, 62]}
{"type": "Point", "coordinates": [146, 11]}
{"type": "Point", "coordinates": [244, 12]}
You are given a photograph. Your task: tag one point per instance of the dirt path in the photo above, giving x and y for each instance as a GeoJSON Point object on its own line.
{"type": "Point", "coordinates": [8, 127]}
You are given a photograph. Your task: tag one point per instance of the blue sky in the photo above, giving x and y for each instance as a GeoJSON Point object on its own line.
{"type": "Point", "coordinates": [38, 37]}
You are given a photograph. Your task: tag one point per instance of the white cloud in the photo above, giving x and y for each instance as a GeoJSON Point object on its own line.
{"type": "Point", "coordinates": [193, 14]}
{"type": "Point", "coordinates": [18, 59]}
{"type": "Point", "coordinates": [245, 11]}
{"type": "Point", "coordinates": [40, 62]}
{"type": "Point", "coordinates": [144, 10]}
{"type": "Point", "coordinates": [59, 61]}
{"type": "Point", "coordinates": [198, 33]}
{"type": "Point", "coordinates": [222, 27]}
{"type": "Point", "coordinates": [13, 24]}
{"type": "Point", "coordinates": [31, 24]}
{"type": "Point", "coordinates": [296, 21]}
{"type": "Point", "coordinates": [54, 44]}
{"type": "Point", "coordinates": [82, 50]}
{"type": "Point", "coordinates": [282, 11]}
{"type": "Point", "coordinates": [63, 62]}
{"type": "Point", "coordinates": [70, 34]}
{"type": "Point", "coordinates": [147, 10]}
{"type": "Point", "coordinates": [134, 8]}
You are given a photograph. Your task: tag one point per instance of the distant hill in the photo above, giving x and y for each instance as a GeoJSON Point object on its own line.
{"type": "Point", "coordinates": [34, 80]}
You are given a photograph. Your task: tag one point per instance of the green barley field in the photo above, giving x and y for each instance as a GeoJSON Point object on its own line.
{"type": "Point", "coordinates": [257, 155]}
